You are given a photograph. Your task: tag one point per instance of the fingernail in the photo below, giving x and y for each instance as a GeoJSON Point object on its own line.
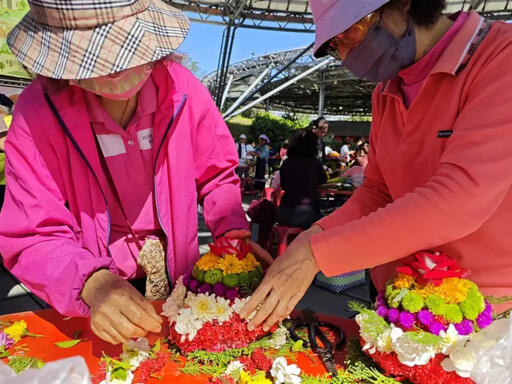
{"type": "Point", "coordinates": [250, 327]}
{"type": "Point", "coordinates": [266, 328]}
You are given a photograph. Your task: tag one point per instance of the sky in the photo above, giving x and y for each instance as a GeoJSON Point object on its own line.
{"type": "Point", "coordinates": [204, 40]}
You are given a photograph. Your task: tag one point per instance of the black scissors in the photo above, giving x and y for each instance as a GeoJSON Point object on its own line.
{"type": "Point", "coordinates": [315, 331]}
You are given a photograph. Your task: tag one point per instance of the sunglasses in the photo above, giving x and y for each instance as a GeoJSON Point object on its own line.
{"type": "Point", "coordinates": [339, 46]}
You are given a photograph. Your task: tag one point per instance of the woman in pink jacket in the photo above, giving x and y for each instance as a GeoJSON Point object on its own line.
{"type": "Point", "coordinates": [111, 148]}
{"type": "Point", "coordinates": [439, 166]}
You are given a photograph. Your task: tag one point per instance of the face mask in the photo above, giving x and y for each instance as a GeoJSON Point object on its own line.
{"type": "Point", "coordinates": [120, 86]}
{"type": "Point", "coordinates": [381, 56]}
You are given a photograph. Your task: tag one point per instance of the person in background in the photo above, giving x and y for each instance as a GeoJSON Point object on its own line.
{"type": "Point", "coordinates": [261, 152]}
{"type": "Point", "coordinates": [244, 151]}
{"type": "Point", "coordinates": [355, 173]}
{"type": "Point", "coordinates": [345, 150]}
{"type": "Point", "coordinates": [283, 152]}
{"type": "Point", "coordinates": [320, 127]}
{"type": "Point", "coordinates": [6, 107]}
{"type": "Point", "coordinates": [300, 176]}
{"type": "Point", "coordinates": [438, 174]}
{"type": "Point", "coordinates": [110, 150]}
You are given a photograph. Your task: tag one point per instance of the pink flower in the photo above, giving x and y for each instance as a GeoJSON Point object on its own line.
{"type": "Point", "coordinates": [431, 266]}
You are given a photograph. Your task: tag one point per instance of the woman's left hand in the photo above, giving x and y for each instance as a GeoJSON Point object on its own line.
{"type": "Point", "coordinates": [285, 283]}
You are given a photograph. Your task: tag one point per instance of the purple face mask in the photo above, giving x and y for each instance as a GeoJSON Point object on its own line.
{"type": "Point", "coordinates": [380, 56]}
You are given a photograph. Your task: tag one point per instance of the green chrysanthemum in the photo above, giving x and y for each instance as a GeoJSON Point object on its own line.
{"type": "Point", "coordinates": [412, 302]}
{"type": "Point", "coordinates": [213, 276]}
{"type": "Point", "coordinates": [453, 313]}
{"type": "Point", "coordinates": [230, 280]}
{"type": "Point", "coordinates": [436, 304]}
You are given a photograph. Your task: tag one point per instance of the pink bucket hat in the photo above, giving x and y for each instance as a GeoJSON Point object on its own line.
{"type": "Point", "coordinates": [332, 17]}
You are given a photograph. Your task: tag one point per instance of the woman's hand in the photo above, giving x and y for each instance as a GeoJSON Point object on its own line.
{"type": "Point", "coordinates": [118, 311]}
{"type": "Point", "coordinates": [258, 251]}
{"type": "Point", "coordinates": [286, 281]}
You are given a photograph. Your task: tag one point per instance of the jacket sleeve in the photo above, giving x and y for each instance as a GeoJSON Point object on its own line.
{"type": "Point", "coordinates": [37, 240]}
{"type": "Point", "coordinates": [320, 173]}
{"type": "Point", "coordinates": [373, 193]}
{"type": "Point", "coordinates": [472, 180]}
{"type": "Point", "coordinates": [216, 159]}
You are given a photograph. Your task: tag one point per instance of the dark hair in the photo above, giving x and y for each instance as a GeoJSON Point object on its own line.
{"type": "Point", "coordinates": [303, 143]}
{"type": "Point", "coordinates": [314, 123]}
{"type": "Point", "coordinates": [424, 13]}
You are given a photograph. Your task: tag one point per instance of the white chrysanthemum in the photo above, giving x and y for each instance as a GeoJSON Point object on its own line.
{"type": "Point", "coordinates": [284, 373]}
{"type": "Point", "coordinates": [368, 338]}
{"type": "Point", "coordinates": [239, 304]}
{"type": "Point", "coordinates": [384, 342]}
{"type": "Point", "coordinates": [223, 311]}
{"type": "Point", "coordinates": [187, 324]}
{"type": "Point", "coordinates": [234, 369]}
{"type": "Point", "coordinates": [411, 353]}
{"type": "Point", "coordinates": [204, 307]}
{"type": "Point", "coordinates": [176, 301]}
{"type": "Point", "coordinates": [450, 339]}
{"type": "Point", "coordinates": [279, 337]}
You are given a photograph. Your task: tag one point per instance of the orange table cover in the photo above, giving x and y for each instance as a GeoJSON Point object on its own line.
{"type": "Point", "coordinates": [56, 327]}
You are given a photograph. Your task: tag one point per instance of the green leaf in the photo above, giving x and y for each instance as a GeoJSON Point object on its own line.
{"type": "Point", "coordinates": [157, 346]}
{"type": "Point", "coordinates": [68, 343]}
{"type": "Point", "coordinates": [119, 373]}
{"type": "Point", "coordinates": [4, 354]}
{"type": "Point", "coordinates": [298, 346]}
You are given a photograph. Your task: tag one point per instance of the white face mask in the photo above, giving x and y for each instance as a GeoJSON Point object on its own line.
{"type": "Point", "coordinates": [118, 86]}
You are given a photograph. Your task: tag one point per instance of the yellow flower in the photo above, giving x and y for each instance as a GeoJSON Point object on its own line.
{"type": "Point", "coordinates": [454, 290]}
{"type": "Point", "coordinates": [249, 263]}
{"type": "Point", "coordinates": [246, 378]}
{"type": "Point", "coordinates": [229, 264]}
{"type": "Point", "coordinates": [403, 281]}
{"type": "Point", "coordinates": [17, 331]}
{"type": "Point", "coordinates": [425, 291]}
{"type": "Point", "coordinates": [207, 261]}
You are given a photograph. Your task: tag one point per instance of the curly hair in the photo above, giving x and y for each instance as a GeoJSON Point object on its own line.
{"type": "Point", "coordinates": [424, 13]}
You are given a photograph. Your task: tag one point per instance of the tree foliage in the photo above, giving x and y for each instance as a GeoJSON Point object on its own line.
{"type": "Point", "coordinates": [278, 129]}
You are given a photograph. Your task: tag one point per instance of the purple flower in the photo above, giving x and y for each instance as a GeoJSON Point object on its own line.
{"type": "Point", "coordinates": [194, 286]}
{"type": "Point", "coordinates": [425, 317]}
{"type": "Point", "coordinates": [231, 294]}
{"type": "Point", "coordinates": [219, 289]}
{"type": "Point", "coordinates": [488, 308]}
{"type": "Point", "coordinates": [393, 315]}
{"type": "Point", "coordinates": [483, 320]}
{"type": "Point", "coordinates": [5, 341]}
{"type": "Point", "coordinates": [382, 311]}
{"type": "Point", "coordinates": [205, 288]}
{"type": "Point", "coordinates": [407, 319]}
{"type": "Point", "coordinates": [187, 279]}
{"type": "Point", "coordinates": [436, 327]}
{"type": "Point", "coordinates": [464, 328]}
{"type": "Point", "coordinates": [382, 303]}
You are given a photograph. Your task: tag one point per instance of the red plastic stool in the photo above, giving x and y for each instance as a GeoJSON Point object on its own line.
{"type": "Point", "coordinates": [268, 194]}
{"type": "Point", "coordinates": [284, 235]}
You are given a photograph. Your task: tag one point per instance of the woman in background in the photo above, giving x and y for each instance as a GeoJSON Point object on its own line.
{"type": "Point", "coordinates": [261, 153]}
{"type": "Point", "coordinates": [301, 174]}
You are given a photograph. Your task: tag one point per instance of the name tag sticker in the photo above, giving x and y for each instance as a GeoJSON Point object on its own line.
{"type": "Point", "coordinates": [111, 145]}
{"type": "Point", "coordinates": [145, 137]}
{"type": "Point", "coordinates": [444, 134]}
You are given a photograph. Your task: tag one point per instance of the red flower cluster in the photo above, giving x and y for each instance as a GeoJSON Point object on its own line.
{"type": "Point", "coordinates": [258, 361]}
{"type": "Point", "coordinates": [215, 337]}
{"type": "Point", "coordinates": [150, 367]}
{"type": "Point", "coordinates": [429, 266]}
{"type": "Point", "coordinates": [226, 246]}
{"type": "Point", "coordinates": [101, 374]}
{"type": "Point", "coordinates": [430, 373]}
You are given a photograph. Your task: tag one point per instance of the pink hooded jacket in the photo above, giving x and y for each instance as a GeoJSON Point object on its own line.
{"type": "Point", "coordinates": [55, 223]}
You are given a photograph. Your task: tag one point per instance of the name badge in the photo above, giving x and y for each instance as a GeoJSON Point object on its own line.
{"type": "Point", "coordinates": [145, 137]}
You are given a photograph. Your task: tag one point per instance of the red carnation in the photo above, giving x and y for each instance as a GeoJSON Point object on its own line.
{"type": "Point", "coordinates": [431, 266]}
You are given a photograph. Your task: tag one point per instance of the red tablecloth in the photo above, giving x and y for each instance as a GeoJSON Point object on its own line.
{"type": "Point", "coordinates": [56, 328]}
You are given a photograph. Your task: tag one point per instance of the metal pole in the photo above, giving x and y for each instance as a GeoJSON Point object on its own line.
{"type": "Point", "coordinates": [224, 53]}
{"type": "Point", "coordinates": [283, 86]}
{"type": "Point", "coordinates": [272, 77]}
{"type": "Point", "coordinates": [246, 92]}
{"type": "Point", "coordinates": [226, 91]}
{"type": "Point", "coordinates": [321, 96]}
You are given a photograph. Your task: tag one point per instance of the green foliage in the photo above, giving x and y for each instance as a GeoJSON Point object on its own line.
{"type": "Point", "coordinates": [278, 129]}
{"type": "Point", "coordinates": [436, 305]}
{"type": "Point", "coordinates": [20, 363]}
{"type": "Point", "coordinates": [254, 275]}
{"type": "Point", "coordinates": [243, 279]}
{"type": "Point", "coordinates": [424, 338]}
{"type": "Point", "coordinates": [412, 302]}
{"type": "Point", "coordinates": [213, 276]}
{"type": "Point", "coordinates": [373, 324]}
{"type": "Point", "coordinates": [453, 313]}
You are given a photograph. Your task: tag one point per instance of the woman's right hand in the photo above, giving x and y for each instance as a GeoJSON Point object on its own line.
{"type": "Point", "coordinates": [118, 311]}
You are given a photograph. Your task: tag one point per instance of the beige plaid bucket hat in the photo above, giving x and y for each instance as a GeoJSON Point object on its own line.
{"type": "Point", "coordinates": [82, 39]}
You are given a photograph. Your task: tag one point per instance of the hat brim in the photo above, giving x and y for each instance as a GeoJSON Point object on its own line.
{"type": "Point", "coordinates": [72, 54]}
{"type": "Point", "coordinates": [340, 17]}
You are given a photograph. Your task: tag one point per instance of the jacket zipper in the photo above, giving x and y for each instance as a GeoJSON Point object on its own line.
{"type": "Point", "coordinates": [169, 126]}
{"type": "Point", "coordinates": [82, 155]}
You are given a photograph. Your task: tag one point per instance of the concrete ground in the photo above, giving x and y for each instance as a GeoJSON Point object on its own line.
{"type": "Point", "coordinates": [14, 297]}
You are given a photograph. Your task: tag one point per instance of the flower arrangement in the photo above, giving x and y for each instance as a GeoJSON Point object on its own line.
{"type": "Point", "coordinates": [204, 307]}
{"type": "Point", "coordinates": [425, 312]}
